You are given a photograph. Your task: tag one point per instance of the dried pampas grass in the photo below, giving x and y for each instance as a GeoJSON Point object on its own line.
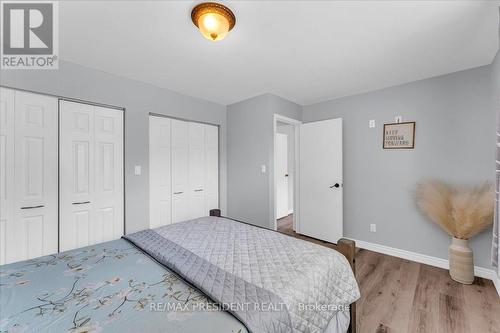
{"type": "Point", "coordinates": [460, 211]}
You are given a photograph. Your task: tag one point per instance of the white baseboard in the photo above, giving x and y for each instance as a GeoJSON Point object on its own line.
{"type": "Point", "coordinates": [425, 259]}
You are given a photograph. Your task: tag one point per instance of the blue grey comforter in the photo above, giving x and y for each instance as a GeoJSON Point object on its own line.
{"type": "Point", "coordinates": [110, 287]}
{"type": "Point", "coordinates": [272, 282]}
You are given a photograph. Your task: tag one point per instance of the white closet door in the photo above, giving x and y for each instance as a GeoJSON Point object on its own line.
{"type": "Point", "coordinates": [76, 174]}
{"type": "Point", "coordinates": [33, 232]}
{"type": "Point", "coordinates": [211, 168]}
{"type": "Point", "coordinates": [7, 189]}
{"type": "Point", "coordinates": [180, 174]}
{"type": "Point", "coordinates": [160, 177]}
{"type": "Point", "coordinates": [91, 174]}
{"type": "Point", "coordinates": [108, 195]}
{"type": "Point", "coordinates": [196, 170]}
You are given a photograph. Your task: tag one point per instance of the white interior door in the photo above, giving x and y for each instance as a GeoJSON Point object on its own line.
{"type": "Point", "coordinates": [76, 174]}
{"type": "Point", "coordinates": [180, 171]}
{"type": "Point", "coordinates": [7, 166]}
{"type": "Point", "coordinates": [160, 176]}
{"type": "Point", "coordinates": [184, 170]}
{"type": "Point", "coordinates": [196, 170]}
{"type": "Point", "coordinates": [211, 168]}
{"type": "Point", "coordinates": [91, 174]}
{"type": "Point", "coordinates": [321, 188]}
{"type": "Point", "coordinates": [108, 189]}
{"type": "Point", "coordinates": [33, 232]}
{"type": "Point", "coordinates": [281, 175]}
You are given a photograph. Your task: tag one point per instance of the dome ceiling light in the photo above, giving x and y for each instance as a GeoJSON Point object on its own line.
{"type": "Point", "coordinates": [213, 19]}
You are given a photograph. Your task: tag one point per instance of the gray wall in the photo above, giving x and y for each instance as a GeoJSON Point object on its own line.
{"type": "Point", "coordinates": [250, 145]}
{"type": "Point", "coordinates": [138, 99]}
{"type": "Point", "coordinates": [455, 142]}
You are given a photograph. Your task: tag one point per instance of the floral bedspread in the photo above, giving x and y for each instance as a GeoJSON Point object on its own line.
{"type": "Point", "coordinates": [109, 287]}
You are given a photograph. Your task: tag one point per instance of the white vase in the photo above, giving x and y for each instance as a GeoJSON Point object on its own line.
{"type": "Point", "coordinates": [461, 261]}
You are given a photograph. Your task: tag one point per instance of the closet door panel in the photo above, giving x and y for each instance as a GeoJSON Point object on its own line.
{"type": "Point", "coordinates": [196, 170]}
{"type": "Point", "coordinates": [180, 144]}
{"type": "Point", "coordinates": [180, 207]}
{"type": "Point", "coordinates": [180, 167]}
{"type": "Point", "coordinates": [108, 195]}
{"type": "Point", "coordinates": [7, 189]}
{"type": "Point", "coordinates": [34, 231]}
{"type": "Point", "coordinates": [81, 233]}
{"type": "Point", "coordinates": [160, 184]}
{"type": "Point", "coordinates": [211, 167]}
{"type": "Point", "coordinates": [76, 172]}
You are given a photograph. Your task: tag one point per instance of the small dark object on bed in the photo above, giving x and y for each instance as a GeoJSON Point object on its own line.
{"type": "Point", "coordinates": [345, 246]}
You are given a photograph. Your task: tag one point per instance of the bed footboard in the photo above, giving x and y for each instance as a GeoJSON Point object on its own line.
{"type": "Point", "coordinates": [348, 248]}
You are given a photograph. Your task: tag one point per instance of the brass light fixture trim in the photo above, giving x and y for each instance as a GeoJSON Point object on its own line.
{"type": "Point", "coordinates": [213, 8]}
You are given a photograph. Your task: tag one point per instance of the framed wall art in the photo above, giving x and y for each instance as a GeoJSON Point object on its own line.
{"type": "Point", "coordinates": [399, 135]}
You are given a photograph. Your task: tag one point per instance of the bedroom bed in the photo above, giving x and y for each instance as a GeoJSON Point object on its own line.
{"type": "Point", "coordinates": [226, 277]}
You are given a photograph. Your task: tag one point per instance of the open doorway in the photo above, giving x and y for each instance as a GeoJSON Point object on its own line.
{"type": "Point", "coordinates": [285, 171]}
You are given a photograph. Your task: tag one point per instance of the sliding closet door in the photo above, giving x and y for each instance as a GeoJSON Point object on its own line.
{"type": "Point", "coordinates": [76, 174]}
{"type": "Point", "coordinates": [180, 171]}
{"type": "Point", "coordinates": [211, 168]}
{"type": "Point", "coordinates": [108, 195]}
{"type": "Point", "coordinates": [184, 170]}
{"type": "Point", "coordinates": [91, 174]}
{"type": "Point", "coordinates": [7, 186]}
{"type": "Point", "coordinates": [196, 170]}
{"type": "Point", "coordinates": [160, 177]}
{"type": "Point", "coordinates": [33, 232]}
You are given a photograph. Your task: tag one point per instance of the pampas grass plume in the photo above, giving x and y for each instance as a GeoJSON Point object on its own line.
{"type": "Point", "coordinates": [460, 211]}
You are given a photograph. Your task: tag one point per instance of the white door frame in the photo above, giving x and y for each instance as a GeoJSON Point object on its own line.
{"type": "Point", "coordinates": [273, 176]}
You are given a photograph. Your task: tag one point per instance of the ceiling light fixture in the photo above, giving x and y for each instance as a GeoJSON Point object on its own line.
{"type": "Point", "coordinates": [213, 19]}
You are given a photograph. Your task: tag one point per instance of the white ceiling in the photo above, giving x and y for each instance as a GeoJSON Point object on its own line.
{"type": "Point", "coordinates": [305, 51]}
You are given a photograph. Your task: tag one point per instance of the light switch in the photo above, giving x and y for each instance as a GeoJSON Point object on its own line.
{"type": "Point", "coordinates": [373, 227]}
{"type": "Point", "coordinates": [399, 119]}
{"type": "Point", "coordinates": [263, 168]}
{"type": "Point", "coordinates": [137, 170]}
{"type": "Point", "coordinates": [372, 123]}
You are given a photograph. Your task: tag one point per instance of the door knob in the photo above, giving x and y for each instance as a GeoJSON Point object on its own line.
{"type": "Point", "coordinates": [336, 185]}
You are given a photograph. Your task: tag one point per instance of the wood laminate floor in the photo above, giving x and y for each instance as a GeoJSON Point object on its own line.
{"type": "Point", "coordinates": [400, 296]}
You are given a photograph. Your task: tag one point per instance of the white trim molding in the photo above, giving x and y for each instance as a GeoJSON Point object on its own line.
{"type": "Point", "coordinates": [273, 173]}
{"type": "Point", "coordinates": [425, 259]}
{"type": "Point", "coordinates": [496, 282]}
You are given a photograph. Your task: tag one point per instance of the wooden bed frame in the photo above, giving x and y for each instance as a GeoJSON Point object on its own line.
{"type": "Point", "coordinates": [345, 246]}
